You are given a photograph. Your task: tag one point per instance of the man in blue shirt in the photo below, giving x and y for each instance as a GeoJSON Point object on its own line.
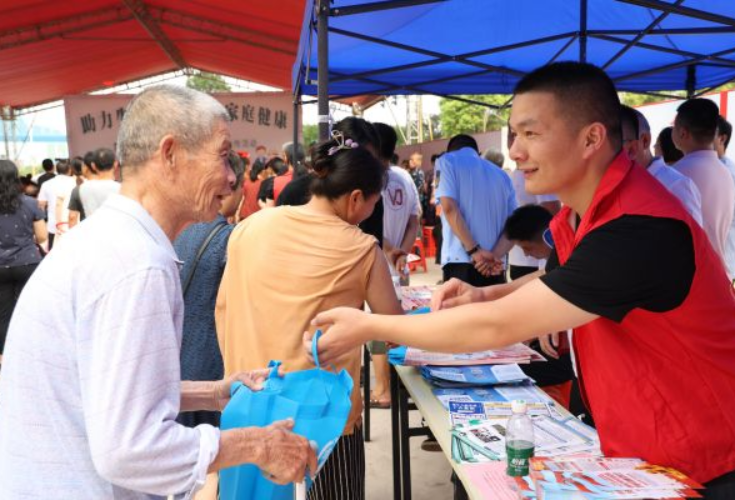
{"type": "Point", "coordinates": [476, 199]}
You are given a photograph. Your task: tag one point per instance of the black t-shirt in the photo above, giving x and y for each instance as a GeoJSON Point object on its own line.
{"type": "Point", "coordinates": [75, 203]}
{"type": "Point", "coordinates": [631, 262]}
{"type": "Point", "coordinates": [266, 189]}
{"type": "Point", "coordinates": [373, 225]}
{"type": "Point", "coordinates": [45, 177]}
{"type": "Point", "coordinates": [296, 192]}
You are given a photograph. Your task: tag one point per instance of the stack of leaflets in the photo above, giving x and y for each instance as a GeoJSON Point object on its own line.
{"type": "Point", "coordinates": [496, 400]}
{"type": "Point", "coordinates": [473, 376]}
{"type": "Point", "coordinates": [416, 297]}
{"type": "Point", "coordinates": [599, 478]}
{"type": "Point", "coordinates": [476, 441]}
{"type": "Point", "coordinates": [517, 353]}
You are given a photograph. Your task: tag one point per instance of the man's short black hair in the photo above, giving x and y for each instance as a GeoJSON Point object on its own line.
{"type": "Point", "coordinates": [89, 158]}
{"type": "Point", "coordinates": [668, 149]}
{"type": "Point", "coordinates": [724, 128]}
{"type": "Point", "coordinates": [48, 164]}
{"type": "Point", "coordinates": [584, 92]}
{"type": "Point", "coordinates": [462, 141]}
{"type": "Point", "coordinates": [527, 223]}
{"type": "Point", "coordinates": [63, 168]}
{"type": "Point", "coordinates": [629, 119]}
{"type": "Point", "coordinates": [388, 139]}
{"type": "Point", "coordinates": [104, 159]}
{"type": "Point", "coordinates": [699, 117]}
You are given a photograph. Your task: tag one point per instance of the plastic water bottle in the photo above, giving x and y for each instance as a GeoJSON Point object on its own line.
{"type": "Point", "coordinates": [397, 287]}
{"type": "Point", "coordinates": [519, 440]}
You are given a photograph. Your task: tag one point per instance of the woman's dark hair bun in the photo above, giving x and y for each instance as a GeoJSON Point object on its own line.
{"type": "Point", "coordinates": [342, 166]}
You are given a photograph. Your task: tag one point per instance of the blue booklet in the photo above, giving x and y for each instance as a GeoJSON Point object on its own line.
{"type": "Point", "coordinates": [474, 375]}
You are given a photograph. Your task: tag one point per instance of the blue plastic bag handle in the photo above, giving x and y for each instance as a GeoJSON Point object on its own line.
{"type": "Point", "coordinates": [314, 347]}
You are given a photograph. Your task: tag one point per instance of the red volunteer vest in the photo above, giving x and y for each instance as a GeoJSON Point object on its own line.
{"type": "Point", "coordinates": [661, 386]}
{"type": "Point", "coordinates": [280, 182]}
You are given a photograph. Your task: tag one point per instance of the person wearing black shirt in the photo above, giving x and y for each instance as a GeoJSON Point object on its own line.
{"type": "Point", "coordinates": [48, 167]}
{"type": "Point", "coordinates": [632, 273]}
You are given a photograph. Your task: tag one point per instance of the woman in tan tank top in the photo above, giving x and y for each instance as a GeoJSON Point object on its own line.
{"type": "Point", "coordinates": [287, 264]}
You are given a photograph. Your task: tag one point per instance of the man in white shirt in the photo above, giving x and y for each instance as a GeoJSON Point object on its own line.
{"type": "Point", "coordinates": [401, 209]}
{"type": "Point", "coordinates": [637, 144]}
{"type": "Point", "coordinates": [91, 387]}
{"type": "Point", "coordinates": [57, 187]}
{"type": "Point", "coordinates": [694, 133]}
{"type": "Point", "coordinates": [94, 193]}
{"type": "Point", "coordinates": [724, 133]}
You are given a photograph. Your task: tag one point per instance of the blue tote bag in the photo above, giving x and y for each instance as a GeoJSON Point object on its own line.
{"type": "Point", "coordinates": [317, 400]}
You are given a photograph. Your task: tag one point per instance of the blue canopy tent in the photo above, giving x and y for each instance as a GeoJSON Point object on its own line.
{"type": "Point", "coordinates": [450, 47]}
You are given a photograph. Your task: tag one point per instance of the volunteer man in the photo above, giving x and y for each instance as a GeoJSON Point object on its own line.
{"type": "Point", "coordinates": [654, 339]}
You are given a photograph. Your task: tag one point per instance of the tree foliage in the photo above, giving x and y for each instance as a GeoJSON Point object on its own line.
{"type": "Point", "coordinates": [207, 82]}
{"type": "Point", "coordinates": [310, 134]}
{"type": "Point", "coordinates": [458, 117]}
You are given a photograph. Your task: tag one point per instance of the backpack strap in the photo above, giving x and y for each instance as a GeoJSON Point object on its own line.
{"type": "Point", "coordinates": [216, 229]}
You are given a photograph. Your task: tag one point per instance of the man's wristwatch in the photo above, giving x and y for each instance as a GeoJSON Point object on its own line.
{"type": "Point", "coordinates": [473, 249]}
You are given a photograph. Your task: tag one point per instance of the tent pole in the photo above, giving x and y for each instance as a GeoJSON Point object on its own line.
{"type": "Point", "coordinates": [323, 67]}
{"type": "Point", "coordinates": [296, 106]}
{"type": "Point", "coordinates": [582, 30]}
{"type": "Point", "coordinates": [691, 82]}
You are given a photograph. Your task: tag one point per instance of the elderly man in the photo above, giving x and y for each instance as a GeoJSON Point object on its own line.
{"type": "Point", "coordinates": [91, 384]}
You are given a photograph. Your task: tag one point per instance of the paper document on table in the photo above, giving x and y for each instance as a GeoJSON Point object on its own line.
{"type": "Point", "coordinates": [416, 297]}
{"type": "Point", "coordinates": [497, 399]}
{"type": "Point", "coordinates": [517, 353]}
{"type": "Point", "coordinates": [491, 481]}
{"type": "Point", "coordinates": [606, 479]}
{"type": "Point", "coordinates": [551, 437]}
{"type": "Point", "coordinates": [474, 375]}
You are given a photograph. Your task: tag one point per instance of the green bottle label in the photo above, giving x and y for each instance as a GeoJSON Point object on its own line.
{"type": "Point", "coordinates": [519, 455]}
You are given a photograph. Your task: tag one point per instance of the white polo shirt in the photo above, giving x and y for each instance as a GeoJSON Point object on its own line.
{"type": "Point", "coordinates": [717, 189]}
{"type": "Point", "coordinates": [680, 186]}
{"type": "Point", "coordinates": [90, 385]}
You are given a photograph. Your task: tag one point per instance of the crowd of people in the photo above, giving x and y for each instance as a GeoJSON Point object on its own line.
{"type": "Point", "coordinates": [185, 267]}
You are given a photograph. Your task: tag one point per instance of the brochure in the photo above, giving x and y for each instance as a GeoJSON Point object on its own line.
{"type": "Point", "coordinates": [416, 297]}
{"type": "Point", "coordinates": [601, 478]}
{"type": "Point", "coordinates": [517, 353]}
{"type": "Point", "coordinates": [497, 400]}
{"type": "Point", "coordinates": [477, 375]}
{"type": "Point", "coordinates": [552, 437]}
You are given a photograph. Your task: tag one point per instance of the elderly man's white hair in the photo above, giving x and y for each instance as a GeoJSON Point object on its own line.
{"type": "Point", "coordinates": [187, 114]}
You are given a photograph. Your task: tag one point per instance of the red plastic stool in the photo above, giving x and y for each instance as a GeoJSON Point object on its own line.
{"type": "Point", "coordinates": [418, 245]}
{"type": "Point", "coordinates": [428, 234]}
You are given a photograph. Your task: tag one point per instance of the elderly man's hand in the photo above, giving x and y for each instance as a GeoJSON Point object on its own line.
{"type": "Point", "coordinates": [252, 379]}
{"type": "Point", "coordinates": [285, 457]}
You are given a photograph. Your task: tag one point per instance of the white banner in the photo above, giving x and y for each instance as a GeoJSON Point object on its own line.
{"type": "Point", "coordinates": [262, 118]}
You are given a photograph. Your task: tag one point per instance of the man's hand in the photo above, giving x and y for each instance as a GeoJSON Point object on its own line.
{"type": "Point", "coordinates": [285, 457]}
{"type": "Point", "coordinates": [253, 380]}
{"type": "Point", "coordinates": [401, 265]}
{"type": "Point", "coordinates": [346, 329]}
{"type": "Point", "coordinates": [549, 344]}
{"type": "Point", "coordinates": [487, 263]}
{"type": "Point", "coordinates": [455, 293]}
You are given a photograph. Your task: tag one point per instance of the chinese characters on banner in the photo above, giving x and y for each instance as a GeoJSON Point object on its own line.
{"type": "Point", "coordinates": [263, 118]}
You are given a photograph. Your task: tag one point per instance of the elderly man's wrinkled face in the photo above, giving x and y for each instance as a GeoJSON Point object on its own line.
{"type": "Point", "coordinates": [210, 176]}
